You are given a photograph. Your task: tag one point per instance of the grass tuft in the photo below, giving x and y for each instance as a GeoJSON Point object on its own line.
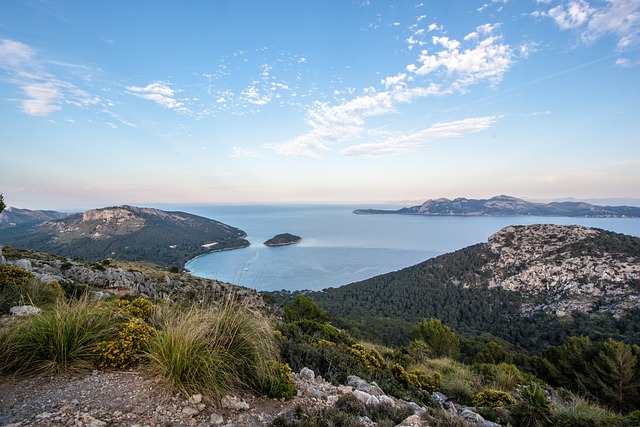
{"type": "Point", "coordinates": [60, 338]}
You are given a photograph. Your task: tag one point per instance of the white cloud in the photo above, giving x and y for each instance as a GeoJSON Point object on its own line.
{"type": "Point", "coordinates": [159, 92]}
{"type": "Point", "coordinates": [572, 15]}
{"type": "Point", "coordinates": [488, 59]}
{"type": "Point", "coordinates": [620, 18]}
{"type": "Point", "coordinates": [406, 142]}
{"type": "Point", "coordinates": [45, 92]}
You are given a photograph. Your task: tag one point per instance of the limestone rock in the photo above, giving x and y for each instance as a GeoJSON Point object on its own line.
{"type": "Point", "coordinates": [24, 310]}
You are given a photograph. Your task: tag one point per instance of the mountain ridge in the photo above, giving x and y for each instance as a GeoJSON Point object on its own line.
{"type": "Point", "coordinates": [128, 233]}
{"type": "Point", "coordinates": [508, 206]}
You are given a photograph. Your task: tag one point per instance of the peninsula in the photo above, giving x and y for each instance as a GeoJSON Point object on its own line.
{"type": "Point", "coordinates": [509, 206]}
{"type": "Point", "coordinates": [283, 239]}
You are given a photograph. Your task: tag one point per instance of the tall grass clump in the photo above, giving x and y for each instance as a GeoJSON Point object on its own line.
{"type": "Point", "coordinates": [577, 411]}
{"type": "Point", "coordinates": [212, 350]}
{"type": "Point", "coordinates": [59, 338]}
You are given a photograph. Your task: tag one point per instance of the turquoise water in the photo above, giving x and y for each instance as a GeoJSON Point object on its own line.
{"type": "Point", "coordinates": [339, 247]}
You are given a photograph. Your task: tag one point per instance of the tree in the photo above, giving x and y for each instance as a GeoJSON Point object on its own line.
{"type": "Point", "coordinates": [442, 341]}
{"type": "Point", "coordinates": [614, 373]}
{"type": "Point", "coordinates": [304, 308]}
{"type": "Point", "coordinates": [2, 205]}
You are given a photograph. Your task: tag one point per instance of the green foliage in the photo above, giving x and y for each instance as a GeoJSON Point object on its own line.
{"type": "Point", "coordinates": [13, 276]}
{"type": "Point", "coordinates": [61, 338]}
{"type": "Point", "coordinates": [417, 379]}
{"type": "Point", "coordinates": [369, 358]}
{"type": "Point", "coordinates": [211, 350]}
{"type": "Point", "coordinates": [304, 308]}
{"type": "Point", "coordinates": [440, 339]}
{"type": "Point", "coordinates": [277, 382]}
{"type": "Point", "coordinates": [492, 399]}
{"type": "Point", "coordinates": [2, 205]}
{"type": "Point", "coordinates": [615, 373]}
{"type": "Point", "coordinates": [532, 408]}
{"type": "Point", "coordinates": [579, 412]}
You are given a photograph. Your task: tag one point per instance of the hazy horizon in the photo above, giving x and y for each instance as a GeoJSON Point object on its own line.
{"type": "Point", "coordinates": [288, 102]}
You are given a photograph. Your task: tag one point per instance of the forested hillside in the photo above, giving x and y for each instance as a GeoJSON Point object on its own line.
{"type": "Point", "coordinates": [532, 286]}
{"type": "Point", "coordinates": [128, 233]}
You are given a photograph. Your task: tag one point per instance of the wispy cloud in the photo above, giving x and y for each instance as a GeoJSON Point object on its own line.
{"type": "Point", "coordinates": [160, 93]}
{"type": "Point", "coordinates": [406, 142]}
{"type": "Point", "coordinates": [482, 56]}
{"type": "Point", "coordinates": [246, 152]}
{"type": "Point", "coordinates": [620, 18]}
{"type": "Point", "coordinates": [44, 91]}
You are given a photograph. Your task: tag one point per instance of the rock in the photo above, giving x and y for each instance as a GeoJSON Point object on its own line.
{"type": "Point", "coordinates": [440, 398]}
{"type": "Point", "coordinates": [195, 399]}
{"type": "Point", "coordinates": [386, 400]}
{"type": "Point", "coordinates": [24, 310]}
{"type": "Point", "coordinates": [372, 401]}
{"type": "Point", "coordinates": [216, 419]}
{"type": "Point", "coordinates": [232, 402]}
{"type": "Point", "coordinates": [24, 264]}
{"type": "Point", "coordinates": [470, 415]}
{"type": "Point", "coordinates": [413, 421]}
{"type": "Point", "coordinates": [190, 411]}
{"type": "Point", "coordinates": [362, 396]}
{"type": "Point", "coordinates": [307, 374]}
{"type": "Point", "coordinates": [87, 420]}
{"type": "Point", "coordinates": [314, 392]}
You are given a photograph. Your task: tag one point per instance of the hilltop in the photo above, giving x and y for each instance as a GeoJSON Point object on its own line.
{"type": "Point", "coordinates": [509, 206]}
{"type": "Point", "coordinates": [127, 233]}
{"type": "Point", "coordinates": [530, 285]}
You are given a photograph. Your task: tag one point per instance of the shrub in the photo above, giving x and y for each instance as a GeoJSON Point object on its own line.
{"type": "Point", "coordinates": [211, 350]}
{"type": "Point", "coordinates": [492, 399]}
{"type": "Point", "coordinates": [61, 338]}
{"type": "Point", "coordinates": [277, 383]}
{"type": "Point", "coordinates": [579, 412]}
{"type": "Point", "coordinates": [138, 307]}
{"type": "Point", "coordinates": [417, 379]}
{"type": "Point", "coordinates": [133, 339]}
{"type": "Point", "coordinates": [533, 408]}
{"type": "Point", "coordinates": [304, 308]}
{"type": "Point", "coordinates": [370, 359]}
{"type": "Point", "coordinates": [13, 276]}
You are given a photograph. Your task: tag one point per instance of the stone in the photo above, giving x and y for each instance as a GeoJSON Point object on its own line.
{"type": "Point", "coordinates": [386, 400]}
{"type": "Point", "coordinates": [87, 420]}
{"type": "Point", "coordinates": [233, 403]}
{"type": "Point", "coordinates": [216, 419]}
{"type": "Point", "coordinates": [24, 310]}
{"type": "Point", "coordinates": [190, 411]}
{"type": "Point", "coordinates": [195, 399]}
{"type": "Point", "coordinates": [372, 401]}
{"type": "Point", "coordinates": [307, 374]}
{"type": "Point", "coordinates": [470, 415]}
{"type": "Point", "coordinates": [362, 396]}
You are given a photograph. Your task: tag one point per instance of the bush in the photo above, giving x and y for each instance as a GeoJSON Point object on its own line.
{"type": "Point", "coordinates": [579, 412]}
{"type": "Point", "coordinates": [277, 383]}
{"type": "Point", "coordinates": [533, 408]}
{"type": "Point", "coordinates": [138, 307]}
{"type": "Point", "coordinates": [61, 338]}
{"type": "Point", "coordinates": [211, 350]}
{"type": "Point", "coordinates": [417, 379]}
{"type": "Point", "coordinates": [492, 399]}
{"type": "Point", "coordinates": [133, 339]}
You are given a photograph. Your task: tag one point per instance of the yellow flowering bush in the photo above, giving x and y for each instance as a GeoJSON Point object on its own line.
{"type": "Point", "coordinates": [133, 338]}
{"type": "Point", "coordinates": [138, 307]}
{"type": "Point", "coordinates": [370, 359]}
{"type": "Point", "coordinates": [278, 382]}
{"type": "Point", "coordinates": [417, 379]}
{"type": "Point", "coordinates": [492, 399]}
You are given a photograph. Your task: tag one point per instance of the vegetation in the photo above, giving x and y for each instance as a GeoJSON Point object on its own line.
{"type": "Point", "coordinates": [2, 205]}
{"type": "Point", "coordinates": [169, 239]}
{"type": "Point", "coordinates": [283, 239]}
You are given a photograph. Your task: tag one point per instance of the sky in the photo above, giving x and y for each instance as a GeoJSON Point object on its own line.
{"type": "Point", "coordinates": [140, 102]}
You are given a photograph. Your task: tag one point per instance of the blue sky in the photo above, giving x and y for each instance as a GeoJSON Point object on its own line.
{"type": "Point", "coordinates": [150, 102]}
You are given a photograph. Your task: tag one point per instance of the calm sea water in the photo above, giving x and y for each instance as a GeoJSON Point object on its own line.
{"type": "Point", "coordinates": [339, 247]}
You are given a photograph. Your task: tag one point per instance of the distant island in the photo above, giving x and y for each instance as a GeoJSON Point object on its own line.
{"type": "Point", "coordinates": [283, 239]}
{"type": "Point", "coordinates": [509, 206]}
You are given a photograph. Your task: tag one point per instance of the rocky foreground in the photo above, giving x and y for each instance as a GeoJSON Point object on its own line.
{"type": "Point", "coordinates": [134, 398]}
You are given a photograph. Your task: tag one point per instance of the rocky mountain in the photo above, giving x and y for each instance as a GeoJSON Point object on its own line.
{"type": "Point", "coordinates": [12, 217]}
{"type": "Point", "coordinates": [529, 285]}
{"type": "Point", "coordinates": [509, 206]}
{"type": "Point", "coordinates": [127, 233]}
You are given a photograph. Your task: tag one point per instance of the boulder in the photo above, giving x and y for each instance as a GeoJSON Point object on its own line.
{"type": "Point", "coordinates": [24, 310]}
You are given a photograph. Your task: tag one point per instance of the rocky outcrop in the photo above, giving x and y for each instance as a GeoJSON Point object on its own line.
{"type": "Point", "coordinates": [561, 269]}
{"type": "Point", "coordinates": [121, 281]}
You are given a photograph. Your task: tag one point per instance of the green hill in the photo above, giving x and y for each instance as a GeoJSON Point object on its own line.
{"type": "Point", "coordinates": [128, 233]}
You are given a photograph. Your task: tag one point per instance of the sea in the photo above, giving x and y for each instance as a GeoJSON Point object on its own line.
{"type": "Point", "coordinates": [339, 247]}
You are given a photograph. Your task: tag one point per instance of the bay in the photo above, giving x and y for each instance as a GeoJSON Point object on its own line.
{"type": "Point", "coordinates": [339, 247]}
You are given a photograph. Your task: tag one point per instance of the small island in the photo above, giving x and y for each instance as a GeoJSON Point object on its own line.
{"type": "Point", "coordinates": [283, 239]}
